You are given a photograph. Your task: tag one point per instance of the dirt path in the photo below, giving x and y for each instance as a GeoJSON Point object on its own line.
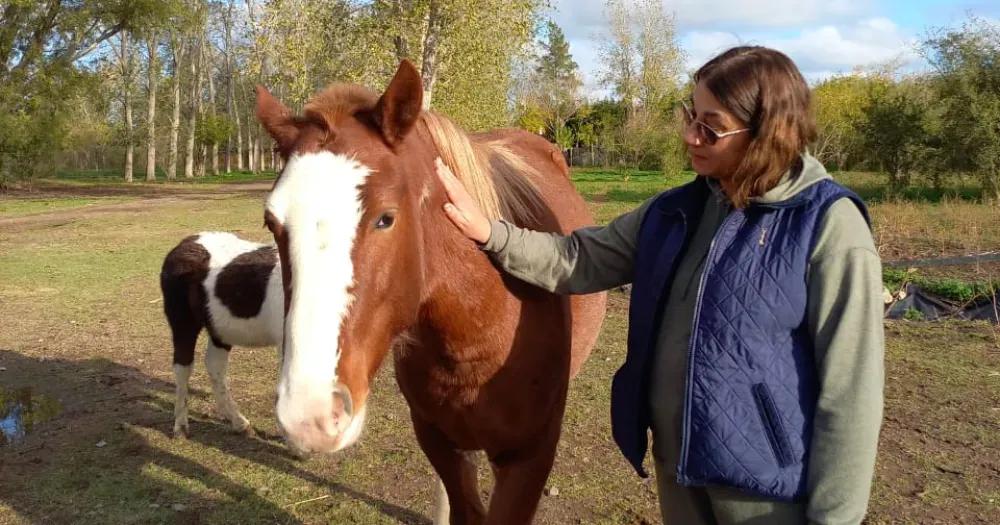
{"type": "Point", "coordinates": [145, 196]}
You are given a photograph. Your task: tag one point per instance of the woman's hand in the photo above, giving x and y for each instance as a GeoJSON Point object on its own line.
{"type": "Point", "coordinates": [461, 209]}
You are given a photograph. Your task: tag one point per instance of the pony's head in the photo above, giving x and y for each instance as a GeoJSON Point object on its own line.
{"type": "Point", "coordinates": [344, 217]}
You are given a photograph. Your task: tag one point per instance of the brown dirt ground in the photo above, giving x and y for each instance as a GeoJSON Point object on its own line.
{"type": "Point", "coordinates": [939, 458]}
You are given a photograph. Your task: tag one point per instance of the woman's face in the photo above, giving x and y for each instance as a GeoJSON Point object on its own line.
{"type": "Point", "coordinates": [721, 159]}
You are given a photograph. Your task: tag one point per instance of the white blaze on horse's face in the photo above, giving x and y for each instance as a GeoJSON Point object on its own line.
{"type": "Point", "coordinates": [317, 200]}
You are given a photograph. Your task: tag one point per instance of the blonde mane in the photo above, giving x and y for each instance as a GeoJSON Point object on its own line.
{"type": "Point", "coordinates": [499, 180]}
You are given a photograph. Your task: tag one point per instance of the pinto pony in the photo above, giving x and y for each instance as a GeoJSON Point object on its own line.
{"type": "Point", "coordinates": [231, 288]}
{"type": "Point", "coordinates": [370, 263]}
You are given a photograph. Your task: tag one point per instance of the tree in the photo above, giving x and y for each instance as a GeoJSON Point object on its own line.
{"type": "Point", "coordinates": [618, 54]}
{"type": "Point", "coordinates": [967, 63]}
{"type": "Point", "coordinates": [463, 48]}
{"type": "Point", "coordinates": [177, 57]}
{"type": "Point", "coordinates": [41, 44]}
{"type": "Point", "coordinates": [661, 60]}
{"type": "Point", "coordinates": [839, 105]}
{"type": "Point", "coordinates": [126, 72]}
{"type": "Point", "coordinates": [557, 85]}
{"type": "Point", "coordinates": [152, 76]}
{"type": "Point", "coordinates": [642, 63]}
{"type": "Point", "coordinates": [893, 134]}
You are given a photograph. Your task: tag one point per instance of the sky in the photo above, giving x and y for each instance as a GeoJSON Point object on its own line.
{"type": "Point", "coordinates": [823, 37]}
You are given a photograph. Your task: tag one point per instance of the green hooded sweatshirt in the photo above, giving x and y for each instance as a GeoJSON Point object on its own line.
{"type": "Point", "coordinates": [845, 322]}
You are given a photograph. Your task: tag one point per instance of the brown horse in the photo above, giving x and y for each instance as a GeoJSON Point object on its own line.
{"type": "Point", "coordinates": [370, 263]}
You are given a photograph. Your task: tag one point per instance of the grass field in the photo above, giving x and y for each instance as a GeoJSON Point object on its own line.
{"type": "Point", "coordinates": [84, 331]}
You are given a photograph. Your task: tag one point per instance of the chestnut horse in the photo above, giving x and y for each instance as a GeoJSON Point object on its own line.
{"type": "Point", "coordinates": [370, 263]}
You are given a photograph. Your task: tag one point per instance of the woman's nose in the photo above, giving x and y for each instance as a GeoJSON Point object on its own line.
{"type": "Point", "coordinates": [691, 136]}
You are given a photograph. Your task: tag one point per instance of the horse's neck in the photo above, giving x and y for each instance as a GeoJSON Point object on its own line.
{"type": "Point", "coordinates": [467, 304]}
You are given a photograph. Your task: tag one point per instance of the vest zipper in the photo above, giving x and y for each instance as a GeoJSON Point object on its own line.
{"type": "Point", "coordinates": [682, 477]}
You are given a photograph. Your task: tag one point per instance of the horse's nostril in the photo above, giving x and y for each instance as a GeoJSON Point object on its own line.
{"type": "Point", "coordinates": [342, 401]}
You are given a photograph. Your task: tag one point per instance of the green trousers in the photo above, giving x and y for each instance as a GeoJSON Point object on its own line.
{"type": "Point", "coordinates": [718, 505]}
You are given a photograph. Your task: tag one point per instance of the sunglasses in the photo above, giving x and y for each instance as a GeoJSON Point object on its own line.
{"type": "Point", "coordinates": [703, 132]}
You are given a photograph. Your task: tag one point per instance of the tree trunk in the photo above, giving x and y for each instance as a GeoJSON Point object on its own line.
{"type": "Point", "coordinates": [428, 67]}
{"type": "Point", "coordinates": [239, 139]}
{"type": "Point", "coordinates": [177, 50]}
{"type": "Point", "coordinates": [211, 110]}
{"type": "Point", "coordinates": [127, 103]}
{"type": "Point", "coordinates": [195, 108]}
{"type": "Point", "coordinates": [227, 20]}
{"type": "Point", "coordinates": [203, 161]}
{"type": "Point", "coordinates": [152, 76]}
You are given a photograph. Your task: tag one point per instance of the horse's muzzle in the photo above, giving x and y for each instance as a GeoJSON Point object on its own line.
{"type": "Point", "coordinates": [320, 425]}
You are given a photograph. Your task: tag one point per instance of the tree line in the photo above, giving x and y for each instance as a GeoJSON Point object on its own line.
{"type": "Point", "coordinates": [164, 88]}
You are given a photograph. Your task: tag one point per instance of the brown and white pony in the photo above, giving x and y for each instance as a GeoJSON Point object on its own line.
{"type": "Point", "coordinates": [370, 263]}
{"type": "Point", "coordinates": [230, 287]}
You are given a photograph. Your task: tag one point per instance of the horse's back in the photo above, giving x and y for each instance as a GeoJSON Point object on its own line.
{"type": "Point", "coordinates": [565, 211]}
{"type": "Point", "coordinates": [227, 283]}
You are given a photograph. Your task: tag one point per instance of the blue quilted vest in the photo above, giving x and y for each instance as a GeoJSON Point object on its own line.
{"type": "Point", "coordinates": [751, 378]}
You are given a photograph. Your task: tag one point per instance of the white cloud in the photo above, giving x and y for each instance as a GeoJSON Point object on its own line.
{"type": "Point", "coordinates": [823, 37]}
{"type": "Point", "coordinates": [818, 51]}
{"type": "Point", "coordinates": [842, 48]}
{"type": "Point", "coordinates": [585, 18]}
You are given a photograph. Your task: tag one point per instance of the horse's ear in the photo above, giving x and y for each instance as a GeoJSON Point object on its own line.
{"type": "Point", "coordinates": [276, 119]}
{"type": "Point", "coordinates": [398, 108]}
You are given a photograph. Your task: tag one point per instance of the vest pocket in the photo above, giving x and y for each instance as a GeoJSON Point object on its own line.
{"type": "Point", "coordinates": [775, 431]}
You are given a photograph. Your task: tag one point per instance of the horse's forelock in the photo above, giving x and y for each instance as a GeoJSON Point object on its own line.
{"type": "Point", "coordinates": [337, 102]}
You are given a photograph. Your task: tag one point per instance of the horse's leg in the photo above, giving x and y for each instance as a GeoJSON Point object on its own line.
{"type": "Point", "coordinates": [459, 504]}
{"type": "Point", "coordinates": [442, 508]}
{"type": "Point", "coordinates": [520, 480]}
{"type": "Point", "coordinates": [217, 363]}
{"type": "Point", "coordinates": [182, 373]}
{"type": "Point", "coordinates": [185, 337]}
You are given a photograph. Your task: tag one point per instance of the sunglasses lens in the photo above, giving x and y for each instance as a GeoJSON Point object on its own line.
{"type": "Point", "coordinates": [706, 135]}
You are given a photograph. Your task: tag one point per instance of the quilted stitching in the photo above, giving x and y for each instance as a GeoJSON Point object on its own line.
{"type": "Point", "coordinates": [738, 287]}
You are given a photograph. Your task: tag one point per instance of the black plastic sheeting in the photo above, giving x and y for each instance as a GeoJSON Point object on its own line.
{"type": "Point", "coordinates": [932, 307]}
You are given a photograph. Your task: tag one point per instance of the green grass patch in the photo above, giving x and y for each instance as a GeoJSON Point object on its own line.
{"type": "Point", "coordinates": [953, 289]}
{"type": "Point", "coordinates": [873, 186]}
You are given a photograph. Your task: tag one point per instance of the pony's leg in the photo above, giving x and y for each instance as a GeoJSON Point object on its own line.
{"type": "Point", "coordinates": [182, 374]}
{"type": "Point", "coordinates": [217, 363]}
{"type": "Point", "coordinates": [185, 337]}
{"type": "Point", "coordinates": [520, 480]}
{"type": "Point", "coordinates": [460, 504]}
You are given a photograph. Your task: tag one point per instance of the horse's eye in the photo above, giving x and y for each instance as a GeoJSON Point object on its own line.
{"type": "Point", "coordinates": [385, 221]}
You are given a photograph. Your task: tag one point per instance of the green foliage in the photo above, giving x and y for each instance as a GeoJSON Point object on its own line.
{"type": "Point", "coordinates": [675, 158]}
{"type": "Point", "coordinates": [40, 79]}
{"type": "Point", "coordinates": [213, 129]}
{"type": "Point", "coordinates": [556, 66]}
{"type": "Point", "coordinates": [912, 314]}
{"type": "Point", "coordinates": [893, 134]}
{"type": "Point", "coordinates": [952, 289]}
{"type": "Point", "coordinates": [564, 137]}
{"type": "Point", "coordinates": [839, 105]}
{"type": "Point", "coordinates": [967, 62]}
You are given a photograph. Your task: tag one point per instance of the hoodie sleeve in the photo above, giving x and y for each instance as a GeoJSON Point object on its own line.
{"type": "Point", "coordinates": [845, 320]}
{"type": "Point", "coordinates": [587, 260]}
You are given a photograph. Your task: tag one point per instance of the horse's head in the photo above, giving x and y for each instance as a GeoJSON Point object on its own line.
{"type": "Point", "coordinates": [345, 216]}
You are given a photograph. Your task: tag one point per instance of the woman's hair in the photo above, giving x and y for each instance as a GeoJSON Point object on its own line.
{"type": "Point", "coordinates": [763, 88]}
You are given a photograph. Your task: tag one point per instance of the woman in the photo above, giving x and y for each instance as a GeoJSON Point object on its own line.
{"type": "Point", "coordinates": [755, 326]}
